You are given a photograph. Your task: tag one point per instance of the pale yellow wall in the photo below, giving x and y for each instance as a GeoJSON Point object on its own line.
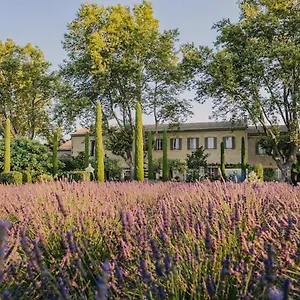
{"type": "Point", "coordinates": [254, 159]}
{"type": "Point", "coordinates": [231, 155]}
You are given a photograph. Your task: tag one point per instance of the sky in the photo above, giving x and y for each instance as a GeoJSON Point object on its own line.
{"type": "Point", "coordinates": [43, 24]}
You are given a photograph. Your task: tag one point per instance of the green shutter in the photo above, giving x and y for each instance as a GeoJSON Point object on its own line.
{"type": "Point", "coordinates": [180, 144]}
{"type": "Point", "coordinates": [188, 143]}
{"type": "Point", "coordinates": [206, 143]}
{"type": "Point", "coordinates": [256, 148]}
{"type": "Point", "coordinates": [233, 142]}
{"type": "Point", "coordinates": [197, 143]}
{"type": "Point", "coordinates": [171, 144]}
{"type": "Point", "coordinates": [215, 143]}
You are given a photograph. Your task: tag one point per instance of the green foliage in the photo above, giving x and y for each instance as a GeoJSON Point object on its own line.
{"type": "Point", "coordinates": [223, 161]}
{"type": "Point", "coordinates": [139, 148]}
{"type": "Point", "coordinates": [7, 146]}
{"type": "Point", "coordinates": [28, 155]}
{"type": "Point", "coordinates": [44, 178]}
{"type": "Point", "coordinates": [151, 175]}
{"type": "Point", "coordinates": [27, 87]}
{"type": "Point", "coordinates": [26, 177]}
{"type": "Point", "coordinates": [259, 170]}
{"type": "Point", "coordinates": [12, 177]}
{"type": "Point", "coordinates": [253, 71]}
{"type": "Point", "coordinates": [120, 142]}
{"type": "Point", "coordinates": [99, 145]}
{"type": "Point", "coordinates": [79, 176]}
{"type": "Point", "coordinates": [165, 170]}
{"type": "Point", "coordinates": [55, 158]}
{"type": "Point", "coordinates": [74, 163]}
{"type": "Point", "coordinates": [197, 159]}
{"type": "Point", "coordinates": [243, 159]}
{"type": "Point", "coordinates": [269, 174]}
{"type": "Point", "coordinates": [112, 168]}
{"type": "Point", "coordinates": [86, 150]}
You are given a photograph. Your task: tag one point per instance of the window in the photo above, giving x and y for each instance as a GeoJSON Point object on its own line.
{"type": "Point", "coordinates": [192, 143]}
{"type": "Point", "coordinates": [158, 144]}
{"type": "Point", "coordinates": [92, 152]}
{"type": "Point", "coordinates": [229, 142]}
{"type": "Point", "coordinates": [210, 143]}
{"type": "Point", "coordinates": [175, 144]}
{"type": "Point", "coordinates": [260, 150]}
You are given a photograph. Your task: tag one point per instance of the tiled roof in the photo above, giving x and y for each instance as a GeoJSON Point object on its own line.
{"type": "Point", "coordinates": [198, 126]}
{"type": "Point", "coordinates": [259, 129]}
{"type": "Point", "coordinates": [66, 146]}
{"type": "Point", "coordinates": [81, 131]}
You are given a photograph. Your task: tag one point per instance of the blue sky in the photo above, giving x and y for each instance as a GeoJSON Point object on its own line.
{"type": "Point", "coordinates": [43, 23]}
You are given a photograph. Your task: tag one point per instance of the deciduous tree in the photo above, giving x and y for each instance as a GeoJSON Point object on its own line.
{"type": "Point", "coordinates": [27, 87]}
{"type": "Point", "coordinates": [118, 56]}
{"type": "Point", "coordinates": [254, 70]}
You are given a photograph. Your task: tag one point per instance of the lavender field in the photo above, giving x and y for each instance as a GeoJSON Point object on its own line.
{"type": "Point", "coordinates": [150, 241]}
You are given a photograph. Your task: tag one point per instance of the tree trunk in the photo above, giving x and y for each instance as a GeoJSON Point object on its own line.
{"type": "Point", "coordinates": [285, 171]}
{"type": "Point", "coordinates": [286, 166]}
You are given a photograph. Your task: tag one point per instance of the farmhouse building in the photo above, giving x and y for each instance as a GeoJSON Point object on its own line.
{"type": "Point", "coordinates": [185, 138]}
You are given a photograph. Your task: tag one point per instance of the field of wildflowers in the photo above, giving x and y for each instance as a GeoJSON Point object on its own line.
{"type": "Point", "coordinates": [149, 241]}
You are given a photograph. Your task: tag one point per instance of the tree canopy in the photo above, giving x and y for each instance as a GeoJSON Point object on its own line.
{"type": "Point", "coordinates": [118, 56]}
{"type": "Point", "coordinates": [27, 155]}
{"type": "Point", "coordinates": [254, 71]}
{"type": "Point", "coordinates": [27, 87]}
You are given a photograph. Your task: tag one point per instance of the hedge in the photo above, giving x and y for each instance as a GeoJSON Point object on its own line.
{"type": "Point", "coordinates": [79, 176]}
{"type": "Point", "coordinates": [11, 177]}
{"type": "Point", "coordinates": [27, 178]}
{"type": "Point", "coordinates": [44, 178]}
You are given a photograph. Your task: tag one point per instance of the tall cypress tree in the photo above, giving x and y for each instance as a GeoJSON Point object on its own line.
{"type": "Point", "coordinates": [243, 159]}
{"type": "Point", "coordinates": [99, 145]}
{"type": "Point", "coordinates": [55, 148]}
{"type": "Point", "coordinates": [150, 158]}
{"type": "Point", "coordinates": [139, 147]}
{"type": "Point", "coordinates": [86, 149]}
{"type": "Point", "coordinates": [7, 146]}
{"type": "Point", "coordinates": [165, 157]}
{"type": "Point", "coordinates": [223, 160]}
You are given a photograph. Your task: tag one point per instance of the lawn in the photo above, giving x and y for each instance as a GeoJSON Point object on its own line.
{"type": "Point", "coordinates": [150, 241]}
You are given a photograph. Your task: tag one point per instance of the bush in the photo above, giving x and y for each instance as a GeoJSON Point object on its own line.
{"type": "Point", "coordinates": [27, 155]}
{"type": "Point", "coordinates": [269, 174]}
{"type": "Point", "coordinates": [44, 178]}
{"type": "Point", "coordinates": [11, 177]}
{"type": "Point", "coordinates": [26, 177]}
{"type": "Point", "coordinates": [259, 170]}
{"type": "Point", "coordinates": [79, 176]}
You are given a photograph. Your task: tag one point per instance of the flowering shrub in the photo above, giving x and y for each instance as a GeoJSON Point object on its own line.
{"type": "Point", "coordinates": [86, 240]}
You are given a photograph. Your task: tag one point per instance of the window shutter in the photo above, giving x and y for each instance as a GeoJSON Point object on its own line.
{"type": "Point", "coordinates": [197, 143]}
{"type": "Point", "coordinates": [206, 143]}
{"type": "Point", "coordinates": [224, 142]}
{"type": "Point", "coordinates": [233, 142]}
{"type": "Point", "coordinates": [180, 143]}
{"type": "Point", "coordinates": [256, 148]}
{"type": "Point", "coordinates": [215, 143]}
{"type": "Point", "coordinates": [188, 143]}
{"type": "Point", "coordinates": [92, 151]}
{"type": "Point", "coordinates": [171, 144]}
